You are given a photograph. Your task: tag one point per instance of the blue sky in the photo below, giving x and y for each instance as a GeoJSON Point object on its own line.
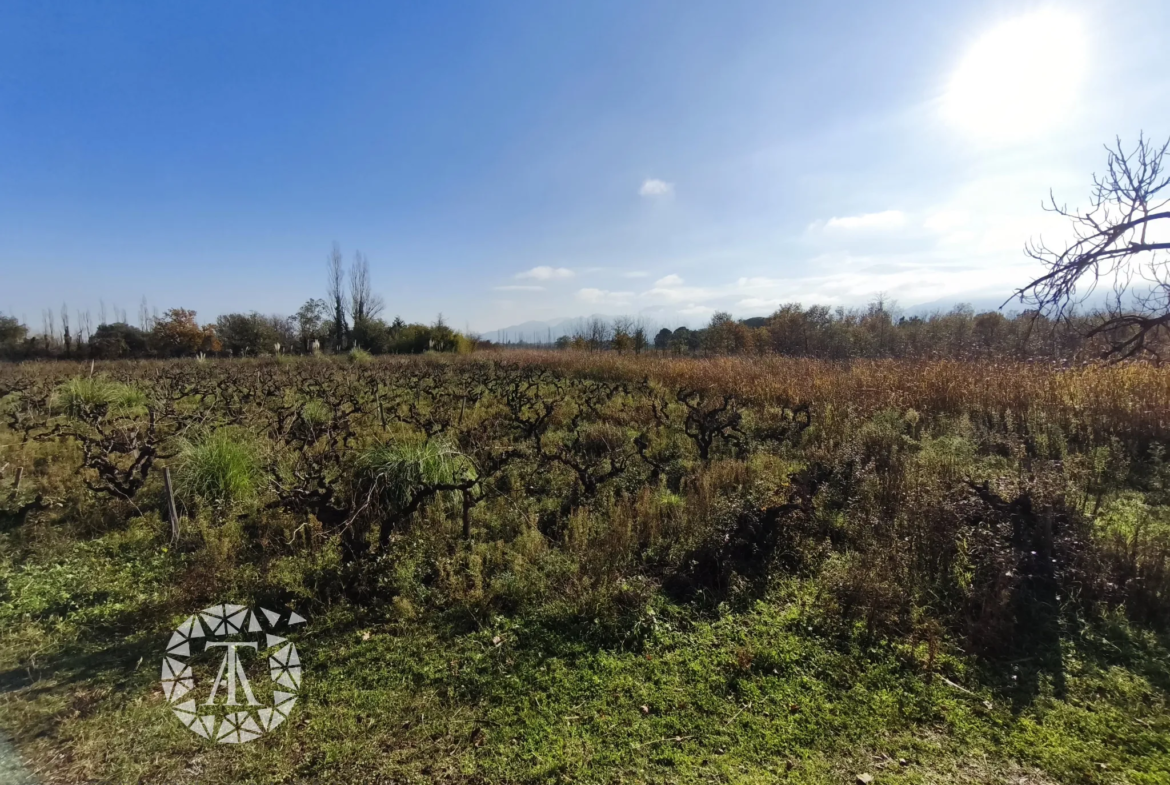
{"type": "Point", "coordinates": [500, 162]}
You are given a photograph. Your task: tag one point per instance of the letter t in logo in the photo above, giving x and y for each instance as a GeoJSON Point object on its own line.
{"type": "Point", "coordinates": [231, 664]}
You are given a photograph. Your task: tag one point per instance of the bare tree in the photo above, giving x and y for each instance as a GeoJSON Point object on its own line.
{"type": "Point", "coordinates": [596, 333]}
{"type": "Point", "coordinates": [1116, 243]}
{"type": "Point", "coordinates": [84, 326]}
{"type": "Point", "coordinates": [639, 336]}
{"type": "Point", "coordinates": [623, 334]}
{"type": "Point", "coordinates": [102, 312]}
{"type": "Point", "coordinates": [335, 288]}
{"type": "Point", "coordinates": [363, 302]}
{"type": "Point", "coordinates": [65, 329]}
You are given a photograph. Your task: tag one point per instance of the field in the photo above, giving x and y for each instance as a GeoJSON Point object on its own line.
{"type": "Point", "coordinates": [569, 566]}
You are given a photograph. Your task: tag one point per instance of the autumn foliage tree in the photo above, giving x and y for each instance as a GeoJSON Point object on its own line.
{"type": "Point", "coordinates": [177, 333]}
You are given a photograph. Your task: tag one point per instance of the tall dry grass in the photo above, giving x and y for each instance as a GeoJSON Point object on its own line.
{"type": "Point", "coordinates": [1129, 398]}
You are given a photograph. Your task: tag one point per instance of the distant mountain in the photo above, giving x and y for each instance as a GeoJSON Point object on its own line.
{"type": "Point", "coordinates": [549, 331]}
{"type": "Point", "coordinates": [541, 332]}
{"type": "Point", "coordinates": [978, 304]}
{"type": "Point", "coordinates": [985, 303]}
{"type": "Point", "coordinates": [527, 332]}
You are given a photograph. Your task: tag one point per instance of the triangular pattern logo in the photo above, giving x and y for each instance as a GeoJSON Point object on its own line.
{"type": "Point", "coordinates": [213, 668]}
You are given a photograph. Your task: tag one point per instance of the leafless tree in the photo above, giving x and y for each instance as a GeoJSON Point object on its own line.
{"type": "Point", "coordinates": [639, 335]}
{"type": "Point", "coordinates": [102, 312]}
{"type": "Point", "coordinates": [84, 326]}
{"type": "Point", "coordinates": [623, 334]}
{"type": "Point", "coordinates": [596, 333]}
{"type": "Point", "coordinates": [65, 329]}
{"type": "Point", "coordinates": [143, 315]}
{"type": "Point", "coordinates": [363, 302]}
{"type": "Point", "coordinates": [335, 296]}
{"type": "Point", "coordinates": [1120, 241]}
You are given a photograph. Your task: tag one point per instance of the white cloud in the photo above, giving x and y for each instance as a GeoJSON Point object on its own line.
{"type": "Point", "coordinates": [683, 294]}
{"type": "Point", "coordinates": [959, 238]}
{"type": "Point", "coordinates": [546, 273]}
{"type": "Point", "coordinates": [887, 219]}
{"type": "Point", "coordinates": [756, 303]}
{"type": "Point", "coordinates": [756, 283]}
{"type": "Point", "coordinates": [518, 288]}
{"type": "Point", "coordinates": [653, 187]}
{"type": "Point", "coordinates": [944, 221]}
{"type": "Point", "coordinates": [671, 289]}
{"type": "Point", "coordinates": [636, 274]}
{"type": "Point", "coordinates": [601, 296]}
{"type": "Point", "coordinates": [697, 310]}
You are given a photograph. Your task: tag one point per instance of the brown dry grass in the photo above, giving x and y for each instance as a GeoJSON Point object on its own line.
{"type": "Point", "coordinates": [1129, 398]}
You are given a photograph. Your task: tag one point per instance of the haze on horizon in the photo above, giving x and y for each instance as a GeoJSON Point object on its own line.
{"type": "Point", "coordinates": [505, 162]}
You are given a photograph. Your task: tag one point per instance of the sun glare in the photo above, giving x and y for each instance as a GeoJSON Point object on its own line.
{"type": "Point", "coordinates": [1019, 80]}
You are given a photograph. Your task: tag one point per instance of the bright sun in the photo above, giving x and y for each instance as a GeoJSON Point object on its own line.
{"type": "Point", "coordinates": [1020, 79]}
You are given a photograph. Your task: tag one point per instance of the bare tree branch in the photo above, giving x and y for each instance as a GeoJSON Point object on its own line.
{"type": "Point", "coordinates": [1115, 244]}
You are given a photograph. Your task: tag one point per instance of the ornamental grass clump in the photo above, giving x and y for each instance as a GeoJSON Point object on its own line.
{"type": "Point", "coordinates": [394, 474]}
{"type": "Point", "coordinates": [88, 395]}
{"type": "Point", "coordinates": [360, 356]}
{"type": "Point", "coordinates": [221, 467]}
{"type": "Point", "coordinates": [316, 412]}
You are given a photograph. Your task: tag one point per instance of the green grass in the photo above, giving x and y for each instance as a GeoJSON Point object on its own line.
{"type": "Point", "coordinates": [758, 695]}
{"type": "Point", "coordinates": [316, 412]}
{"type": "Point", "coordinates": [396, 470]}
{"type": "Point", "coordinates": [792, 610]}
{"type": "Point", "coordinates": [83, 394]}
{"type": "Point", "coordinates": [221, 467]}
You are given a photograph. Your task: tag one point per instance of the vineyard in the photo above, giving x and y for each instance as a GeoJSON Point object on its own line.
{"type": "Point", "coordinates": [560, 566]}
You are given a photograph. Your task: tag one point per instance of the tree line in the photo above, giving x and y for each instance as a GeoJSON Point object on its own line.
{"type": "Point", "coordinates": [878, 330]}
{"type": "Point", "coordinates": [319, 326]}
{"type": "Point", "coordinates": [347, 318]}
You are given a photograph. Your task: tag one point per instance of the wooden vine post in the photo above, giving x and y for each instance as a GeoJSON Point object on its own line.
{"type": "Point", "coordinates": [172, 511]}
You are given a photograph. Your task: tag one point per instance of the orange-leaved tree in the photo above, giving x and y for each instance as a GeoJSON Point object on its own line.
{"type": "Point", "coordinates": [177, 334]}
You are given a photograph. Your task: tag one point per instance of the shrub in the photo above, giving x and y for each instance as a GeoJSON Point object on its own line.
{"type": "Point", "coordinates": [360, 356]}
{"type": "Point", "coordinates": [1135, 542]}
